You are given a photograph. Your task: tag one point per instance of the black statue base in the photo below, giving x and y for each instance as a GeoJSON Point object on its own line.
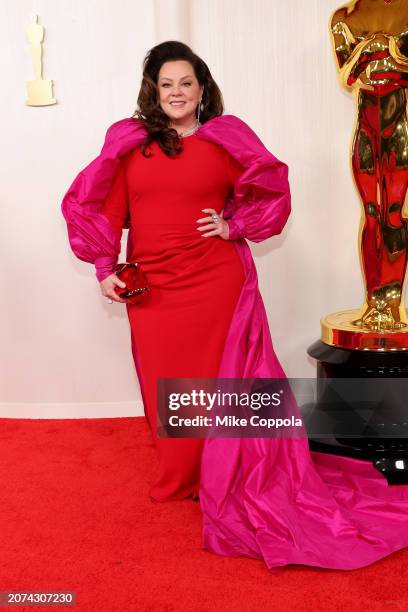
{"type": "Point", "coordinates": [357, 416]}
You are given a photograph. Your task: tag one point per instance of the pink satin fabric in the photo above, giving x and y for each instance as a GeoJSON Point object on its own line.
{"type": "Point", "coordinates": [262, 498]}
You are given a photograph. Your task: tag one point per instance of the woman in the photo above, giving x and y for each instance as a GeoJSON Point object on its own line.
{"type": "Point", "coordinates": [164, 193]}
{"type": "Point", "coordinates": [157, 173]}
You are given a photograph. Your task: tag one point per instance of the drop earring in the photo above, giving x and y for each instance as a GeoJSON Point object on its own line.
{"type": "Point", "coordinates": [200, 107]}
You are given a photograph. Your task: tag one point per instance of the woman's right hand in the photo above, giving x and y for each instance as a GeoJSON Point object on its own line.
{"type": "Point", "coordinates": [108, 287]}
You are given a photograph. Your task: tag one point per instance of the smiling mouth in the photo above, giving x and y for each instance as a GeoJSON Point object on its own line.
{"type": "Point", "coordinates": [177, 103]}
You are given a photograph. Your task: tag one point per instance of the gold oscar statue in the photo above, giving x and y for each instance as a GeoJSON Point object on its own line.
{"type": "Point", "coordinates": [370, 42]}
{"type": "Point", "coordinates": [39, 91]}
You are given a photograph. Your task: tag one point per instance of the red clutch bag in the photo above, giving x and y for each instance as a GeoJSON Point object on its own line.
{"type": "Point", "coordinates": [136, 288]}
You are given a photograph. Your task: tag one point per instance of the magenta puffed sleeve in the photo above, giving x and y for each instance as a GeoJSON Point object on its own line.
{"type": "Point", "coordinates": [92, 236]}
{"type": "Point", "coordinates": [260, 203]}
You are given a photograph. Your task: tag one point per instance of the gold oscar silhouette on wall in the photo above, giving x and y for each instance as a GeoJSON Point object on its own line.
{"type": "Point", "coordinates": [39, 91]}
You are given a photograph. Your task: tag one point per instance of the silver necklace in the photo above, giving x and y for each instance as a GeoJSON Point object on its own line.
{"type": "Point", "coordinates": [189, 132]}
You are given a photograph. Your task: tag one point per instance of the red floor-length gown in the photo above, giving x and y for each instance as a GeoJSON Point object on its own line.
{"type": "Point", "coordinates": [195, 281]}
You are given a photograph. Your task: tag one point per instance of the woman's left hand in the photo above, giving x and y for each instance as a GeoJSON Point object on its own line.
{"type": "Point", "coordinates": [220, 229]}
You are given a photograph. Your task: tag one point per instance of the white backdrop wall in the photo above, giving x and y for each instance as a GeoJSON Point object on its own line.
{"type": "Point", "coordinates": [65, 352]}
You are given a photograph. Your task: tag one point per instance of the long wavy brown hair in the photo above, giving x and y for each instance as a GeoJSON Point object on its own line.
{"type": "Point", "coordinates": [149, 111]}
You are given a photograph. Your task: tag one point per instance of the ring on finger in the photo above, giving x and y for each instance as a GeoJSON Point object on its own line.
{"type": "Point", "coordinates": [215, 218]}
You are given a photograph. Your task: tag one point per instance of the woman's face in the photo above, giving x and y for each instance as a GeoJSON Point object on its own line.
{"type": "Point", "coordinates": [177, 82]}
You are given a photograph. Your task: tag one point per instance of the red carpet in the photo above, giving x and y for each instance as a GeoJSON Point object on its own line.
{"type": "Point", "coordinates": [76, 516]}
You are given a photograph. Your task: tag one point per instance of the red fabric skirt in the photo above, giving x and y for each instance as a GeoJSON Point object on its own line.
{"type": "Point", "coordinates": [180, 331]}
